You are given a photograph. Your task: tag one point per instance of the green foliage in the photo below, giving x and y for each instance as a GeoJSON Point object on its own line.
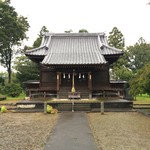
{"type": "Point", "coordinates": [120, 70]}
{"type": "Point", "coordinates": [141, 82]}
{"type": "Point", "coordinates": [12, 32]}
{"type": "Point", "coordinates": [24, 72]}
{"type": "Point", "coordinates": [134, 58]}
{"type": "Point", "coordinates": [4, 77]}
{"type": "Point", "coordinates": [139, 63]}
{"type": "Point", "coordinates": [12, 90]}
{"type": "Point", "coordinates": [139, 55]}
{"type": "Point", "coordinates": [3, 109]}
{"type": "Point", "coordinates": [1, 81]}
{"type": "Point", "coordinates": [116, 39]}
{"type": "Point", "coordinates": [143, 97]}
{"type": "Point", "coordinates": [38, 41]}
{"type": "Point", "coordinates": [121, 73]}
{"type": "Point", "coordinates": [83, 31]}
{"type": "Point", "coordinates": [145, 74]}
{"type": "Point", "coordinates": [69, 31]}
{"type": "Point", "coordinates": [13, 99]}
{"type": "Point", "coordinates": [2, 91]}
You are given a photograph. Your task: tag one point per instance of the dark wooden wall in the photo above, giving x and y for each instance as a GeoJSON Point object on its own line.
{"type": "Point", "coordinates": [48, 80]}
{"type": "Point", "coordinates": [100, 79]}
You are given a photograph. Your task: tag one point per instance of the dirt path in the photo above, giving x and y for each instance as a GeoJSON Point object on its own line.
{"type": "Point", "coordinates": [25, 131]}
{"type": "Point", "coordinates": [121, 131]}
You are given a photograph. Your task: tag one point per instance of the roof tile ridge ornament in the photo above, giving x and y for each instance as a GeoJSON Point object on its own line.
{"type": "Point", "coordinates": [48, 43]}
{"type": "Point", "coordinates": [100, 43]}
{"type": "Point", "coordinates": [113, 48]}
{"type": "Point", "coordinates": [46, 35]}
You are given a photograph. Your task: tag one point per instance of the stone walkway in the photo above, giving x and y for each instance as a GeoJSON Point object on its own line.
{"type": "Point", "coordinates": [71, 132]}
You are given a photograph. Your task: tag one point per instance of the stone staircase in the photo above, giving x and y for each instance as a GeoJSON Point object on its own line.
{"type": "Point", "coordinates": [63, 92]}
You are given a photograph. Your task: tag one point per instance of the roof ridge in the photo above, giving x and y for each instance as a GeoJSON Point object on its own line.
{"type": "Point", "coordinates": [75, 34]}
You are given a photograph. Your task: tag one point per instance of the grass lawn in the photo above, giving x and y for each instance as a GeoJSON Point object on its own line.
{"type": "Point", "coordinates": [13, 99]}
{"type": "Point", "coordinates": [142, 99]}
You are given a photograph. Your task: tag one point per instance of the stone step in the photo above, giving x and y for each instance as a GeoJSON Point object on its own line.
{"type": "Point", "coordinates": [26, 110]}
{"type": "Point", "coordinates": [75, 107]}
{"type": "Point", "coordinates": [65, 107]}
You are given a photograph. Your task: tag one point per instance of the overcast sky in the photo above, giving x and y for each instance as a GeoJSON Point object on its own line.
{"type": "Point", "coordinates": [131, 17]}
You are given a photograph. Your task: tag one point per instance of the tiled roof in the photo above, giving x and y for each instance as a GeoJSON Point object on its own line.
{"type": "Point", "coordinates": [76, 48]}
{"type": "Point", "coordinates": [40, 51]}
{"type": "Point", "coordinates": [107, 50]}
{"type": "Point", "coordinates": [74, 58]}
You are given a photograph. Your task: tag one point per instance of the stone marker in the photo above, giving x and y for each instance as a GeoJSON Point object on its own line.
{"type": "Point", "coordinates": [102, 108]}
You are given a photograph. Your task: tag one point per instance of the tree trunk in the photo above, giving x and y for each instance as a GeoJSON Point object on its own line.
{"type": "Point", "coordinates": [9, 73]}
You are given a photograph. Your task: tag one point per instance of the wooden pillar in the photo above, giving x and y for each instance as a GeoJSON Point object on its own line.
{"type": "Point", "coordinates": [41, 76]}
{"type": "Point", "coordinates": [30, 93]}
{"type": "Point", "coordinates": [58, 82]}
{"type": "Point", "coordinates": [90, 84]}
{"type": "Point", "coordinates": [59, 79]}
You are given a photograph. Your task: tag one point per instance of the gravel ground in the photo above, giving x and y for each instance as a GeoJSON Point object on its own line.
{"type": "Point", "coordinates": [112, 131]}
{"type": "Point", "coordinates": [121, 130]}
{"type": "Point", "coordinates": [25, 131]}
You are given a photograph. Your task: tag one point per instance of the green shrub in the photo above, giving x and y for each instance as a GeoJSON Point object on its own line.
{"type": "Point", "coordinates": [3, 109]}
{"type": "Point", "coordinates": [2, 89]}
{"type": "Point", "coordinates": [1, 81]}
{"type": "Point", "coordinates": [12, 90]}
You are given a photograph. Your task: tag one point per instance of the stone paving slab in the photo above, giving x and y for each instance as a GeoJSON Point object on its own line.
{"type": "Point", "coordinates": [71, 132]}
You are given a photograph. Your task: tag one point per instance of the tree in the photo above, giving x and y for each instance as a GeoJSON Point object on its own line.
{"type": "Point", "coordinates": [38, 41]}
{"type": "Point", "coordinates": [83, 31]}
{"type": "Point", "coordinates": [120, 70]}
{"type": "Point", "coordinates": [69, 31]}
{"type": "Point", "coordinates": [116, 39]}
{"type": "Point", "coordinates": [141, 82]}
{"type": "Point", "coordinates": [146, 78]}
{"type": "Point", "coordinates": [121, 73]}
{"type": "Point", "coordinates": [23, 66]}
{"type": "Point", "coordinates": [12, 32]}
{"type": "Point", "coordinates": [2, 81]}
{"type": "Point", "coordinates": [139, 55]}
